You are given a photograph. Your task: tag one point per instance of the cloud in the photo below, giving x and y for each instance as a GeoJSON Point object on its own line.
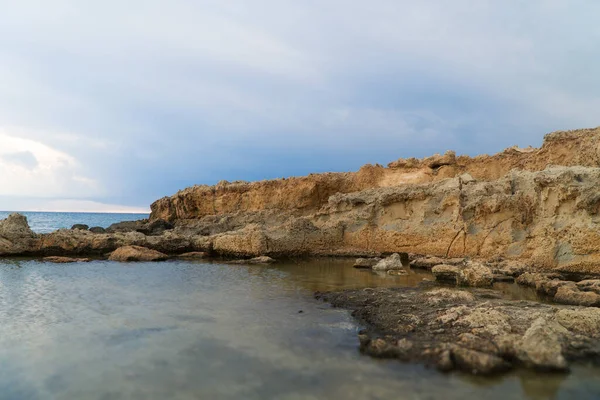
{"type": "Point", "coordinates": [24, 159]}
{"type": "Point", "coordinates": [135, 100]}
{"type": "Point", "coordinates": [31, 168]}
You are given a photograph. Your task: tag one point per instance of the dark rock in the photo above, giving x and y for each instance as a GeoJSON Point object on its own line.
{"type": "Point", "coordinates": [97, 229]}
{"type": "Point", "coordinates": [80, 227]}
{"type": "Point", "coordinates": [127, 226]}
{"type": "Point", "coordinates": [156, 228]}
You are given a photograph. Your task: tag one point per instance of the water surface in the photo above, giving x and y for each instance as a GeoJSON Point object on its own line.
{"type": "Point", "coordinates": [194, 330]}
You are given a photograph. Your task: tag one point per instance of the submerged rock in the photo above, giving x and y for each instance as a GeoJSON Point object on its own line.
{"type": "Point", "coordinates": [65, 260]}
{"type": "Point", "coordinates": [366, 263]}
{"type": "Point", "coordinates": [255, 260]}
{"type": "Point", "coordinates": [136, 253]}
{"type": "Point", "coordinates": [194, 255]}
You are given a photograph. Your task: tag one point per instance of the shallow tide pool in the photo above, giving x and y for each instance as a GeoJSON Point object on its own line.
{"type": "Point", "coordinates": [198, 330]}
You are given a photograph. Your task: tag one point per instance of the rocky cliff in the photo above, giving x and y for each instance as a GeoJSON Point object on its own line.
{"type": "Point", "coordinates": [540, 206]}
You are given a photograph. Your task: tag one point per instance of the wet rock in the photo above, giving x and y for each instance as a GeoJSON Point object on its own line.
{"type": "Point", "coordinates": [470, 330]}
{"type": "Point", "coordinates": [393, 262]}
{"type": "Point", "coordinates": [475, 275]}
{"type": "Point", "coordinates": [81, 227]}
{"type": "Point", "coordinates": [367, 263]}
{"type": "Point", "coordinates": [430, 262]}
{"type": "Point", "coordinates": [97, 229]}
{"type": "Point", "coordinates": [541, 348]}
{"type": "Point", "coordinates": [444, 362]}
{"type": "Point", "coordinates": [65, 260]}
{"type": "Point", "coordinates": [570, 294]}
{"type": "Point", "coordinates": [445, 273]}
{"type": "Point", "coordinates": [136, 253]}
{"type": "Point", "coordinates": [477, 362]}
{"type": "Point", "coordinates": [194, 255]}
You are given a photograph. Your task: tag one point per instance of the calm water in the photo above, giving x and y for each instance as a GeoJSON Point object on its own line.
{"type": "Point", "coordinates": [44, 222]}
{"type": "Point", "coordinates": [193, 330]}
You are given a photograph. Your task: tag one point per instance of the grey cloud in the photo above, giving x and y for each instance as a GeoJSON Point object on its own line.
{"type": "Point", "coordinates": [172, 94]}
{"type": "Point", "coordinates": [24, 159]}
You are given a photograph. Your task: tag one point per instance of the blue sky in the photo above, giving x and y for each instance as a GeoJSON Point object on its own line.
{"type": "Point", "coordinates": [110, 105]}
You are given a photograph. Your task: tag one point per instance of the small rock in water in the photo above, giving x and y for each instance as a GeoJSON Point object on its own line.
{"type": "Point", "coordinates": [194, 255]}
{"type": "Point", "coordinates": [136, 253]}
{"type": "Point", "coordinates": [65, 260]}
{"type": "Point", "coordinates": [392, 262]}
{"type": "Point", "coordinates": [80, 227]}
{"type": "Point", "coordinates": [366, 262]}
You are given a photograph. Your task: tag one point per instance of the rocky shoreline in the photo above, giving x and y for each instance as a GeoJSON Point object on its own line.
{"type": "Point", "coordinates": [475, 331]}
{"type": "Point", "coordinates": [530, 216]}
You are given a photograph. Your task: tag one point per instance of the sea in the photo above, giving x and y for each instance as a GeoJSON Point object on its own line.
{"type": "Point", "coordinates": [205, 329]}
{"type": "Point", "coordinates": [45, 222]}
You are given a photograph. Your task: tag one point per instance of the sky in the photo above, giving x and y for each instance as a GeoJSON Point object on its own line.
{"type": "Point", "coordinates": [109, 105]}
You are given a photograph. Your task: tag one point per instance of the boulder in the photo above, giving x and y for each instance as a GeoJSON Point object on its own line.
{"type": "Point", "coordinates": [541, 348]}
{"type": "Point", "coordinates": [15, 227]}
{"type": "Point", "coordinates": [366, 262]}
{"type": "Point", "coordinates": [80, 227]}
{"type": "Point", "coordinates": [475, 275]}
{"type": "Point", "coordinates": [156, 227]}
{"type": "Point", "coordinates": [136, 253]}
{"type": "Point", "coordinates": [127, 226]}
{"type": "Point", "coordinates": [97, 229]}
{"type": "Point", "coordinates": [445, 273]}
{"type": "Point", "coordinates": [392, 262]}
{"type": "Point", "coordinates": [65, 260]}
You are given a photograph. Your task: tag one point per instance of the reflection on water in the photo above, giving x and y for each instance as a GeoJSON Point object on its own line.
{"type": "Point", "coordinates": [190, 330]}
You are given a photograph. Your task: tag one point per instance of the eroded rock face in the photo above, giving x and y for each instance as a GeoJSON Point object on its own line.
{"type": "Point", "coordinates": [136, 253]}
